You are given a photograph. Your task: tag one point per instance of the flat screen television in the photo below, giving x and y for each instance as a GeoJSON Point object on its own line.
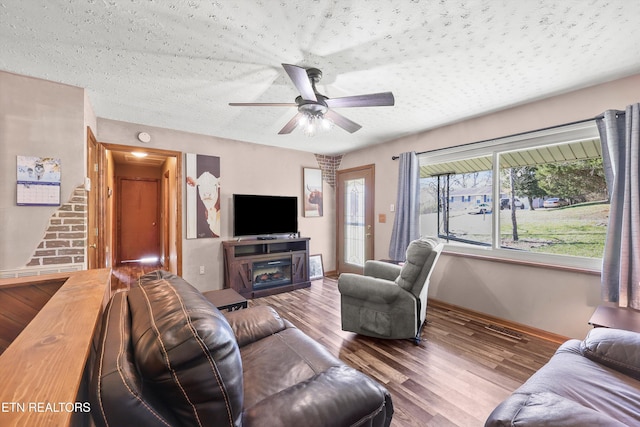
{"type": "Point", "coordinates": [264, 216]}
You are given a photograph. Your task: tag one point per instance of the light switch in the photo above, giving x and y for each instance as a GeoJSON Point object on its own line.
{"type": "Point", "coordinates": [392, 208]}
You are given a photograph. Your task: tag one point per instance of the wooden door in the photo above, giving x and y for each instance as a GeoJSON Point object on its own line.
{"type": "Point", "coordinates": [138, 231]}
{"type": "Point", "coordinates": [355, 218]}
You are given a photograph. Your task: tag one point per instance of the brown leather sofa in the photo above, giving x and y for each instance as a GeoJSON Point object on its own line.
{"type": "Point", "coordinates": [595, 382]}
{"type": "Point", "coordinates": [167, 357]}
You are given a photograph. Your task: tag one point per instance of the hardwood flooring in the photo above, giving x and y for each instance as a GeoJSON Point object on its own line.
{"type": "Point", "coordinates": [456, 376]}
{"type": "Point", "coordinates": [461, 370]}
{"type": "Point", "coordinates": [127, 274]}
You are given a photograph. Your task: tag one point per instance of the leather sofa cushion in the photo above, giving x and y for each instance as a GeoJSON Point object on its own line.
{"type": "Point", "coordinates": [298, 359]}
{"type": "Point", "coordinates": [118, 395]}
{"type": "Point", "coordinates": [339, 396]}
{"type": "Point", "coordinates": [253, 324]}
{"type": "Point", "coordinates": [187, 351]}
{"type": "Point", "coordinates": [614, 348]}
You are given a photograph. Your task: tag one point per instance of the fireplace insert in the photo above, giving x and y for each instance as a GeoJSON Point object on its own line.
{"type": "Point", "coordinates": [267, 274]}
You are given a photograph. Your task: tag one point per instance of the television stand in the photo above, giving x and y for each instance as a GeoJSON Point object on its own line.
{"type": "Point", "coordinates": [256, 268]}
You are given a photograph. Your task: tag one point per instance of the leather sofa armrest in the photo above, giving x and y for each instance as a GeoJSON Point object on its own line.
{"type": "Point", "coordinates": [546, 409]}
{"type": "Point", "coordinates": [615, 348]}
{"type": "Point", "coordinates": [339, 396]}
{"type": "Point", "coordinates": [382, 270]}
{"type": "Point", "coordinates": [253, 324]}
{"type": "Point", "coordinates": [369, 288]}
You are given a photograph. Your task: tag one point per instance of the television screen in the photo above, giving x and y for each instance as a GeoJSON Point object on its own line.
{"type": "Point", "coordinates": [255, 215]}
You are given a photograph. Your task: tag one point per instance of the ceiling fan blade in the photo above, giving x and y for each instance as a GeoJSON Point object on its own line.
{"type": "Point", "coordinates": [370, 100]}
{"type": "Point", "coordinates": [301, 80]}
{"type": "Point", "coordinates": [263, 104]}
{"type": "Point", "coordinates": [291, 124]}
{"type": "Point", "coordinates": [342, 121]}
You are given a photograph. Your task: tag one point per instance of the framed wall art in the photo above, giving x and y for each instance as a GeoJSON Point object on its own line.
{"type": "Point", "coordinates": [202, 195]}
{"type": "Point", "coordinates": [312, 182]}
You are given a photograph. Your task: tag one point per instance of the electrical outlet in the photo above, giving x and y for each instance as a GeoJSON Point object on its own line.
{"type": "Point", "coordinates": [202, 269]}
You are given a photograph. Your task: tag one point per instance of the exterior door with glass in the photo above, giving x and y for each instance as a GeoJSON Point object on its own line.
{"type": "Point", "coordinates": [355, 214]}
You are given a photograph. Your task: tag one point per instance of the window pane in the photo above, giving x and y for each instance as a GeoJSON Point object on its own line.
{"type": "Point", "coordinates": [354, 222]}
{"type": "Point", "coordinates": [458, 205]}
{"type": "Point", "coordinates": [553, 199]}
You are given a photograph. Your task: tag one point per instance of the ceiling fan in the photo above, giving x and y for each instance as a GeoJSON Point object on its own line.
{"type": "Point", "coordinates": [315, 111]}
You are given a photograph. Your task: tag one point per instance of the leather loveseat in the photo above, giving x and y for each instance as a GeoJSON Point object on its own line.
{"type": "Point", "coordinates": [167, 357]}
{"type": "Point", "coordinates": [595, 382]}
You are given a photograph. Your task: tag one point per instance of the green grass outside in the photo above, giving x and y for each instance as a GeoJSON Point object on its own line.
{"type": "Point", "coordinates": [577, 230]}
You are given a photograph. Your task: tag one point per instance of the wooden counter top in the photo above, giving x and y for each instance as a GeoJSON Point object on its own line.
{"type": "Point", "coordinates": [42, 370]}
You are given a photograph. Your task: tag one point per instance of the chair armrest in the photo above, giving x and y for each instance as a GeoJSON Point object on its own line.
{"type": "Point", "coordinates": [381, 270]}
{"type": "Point", "coordinates": [615, 348]}
{"type": "Point", "coordinates": [339, 396]}
{"type": "Point", "coordinates": [253, 324]}
{"type": "Point", "coordinates": [369, 288]}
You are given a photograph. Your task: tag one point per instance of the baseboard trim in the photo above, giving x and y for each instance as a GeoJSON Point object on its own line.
{"type": "Point", "coordinates": [524, 329]}
{"type": "Point", "coordinates": [333, 274]}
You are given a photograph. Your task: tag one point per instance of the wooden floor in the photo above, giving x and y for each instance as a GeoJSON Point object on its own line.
{"type": "Point", "coordinates": [455, 377]}
{"type": "Point", "coordinates": [127, 274]}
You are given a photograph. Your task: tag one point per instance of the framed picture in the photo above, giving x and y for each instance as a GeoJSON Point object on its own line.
{"type": "Point", "coordinates": [316, 271]}
{"type": "Point", "coordinates": [312, 192]}
{"type": "Point", "coordinates": [203, 196]}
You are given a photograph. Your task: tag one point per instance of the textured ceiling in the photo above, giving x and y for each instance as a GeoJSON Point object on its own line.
{"type": "Point", "coordinates": [177, 64]}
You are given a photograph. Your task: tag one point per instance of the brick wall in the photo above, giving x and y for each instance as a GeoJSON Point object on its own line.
{"type": "Point", "coordinates": [65, 238]}
{"type": "Point", "coordinates": [329, 165]}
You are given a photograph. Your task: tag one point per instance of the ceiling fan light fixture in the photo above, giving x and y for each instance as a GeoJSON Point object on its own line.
{"type": "Point", "coordinates": [312, 124]}
{"type": "Point", "coordinates": [327, 124]}
{"type": "Point", "coordinates": [315, 111]}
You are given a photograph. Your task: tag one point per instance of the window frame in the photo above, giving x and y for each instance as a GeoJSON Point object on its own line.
{"type": "Point", "coordinates": [574, 132]}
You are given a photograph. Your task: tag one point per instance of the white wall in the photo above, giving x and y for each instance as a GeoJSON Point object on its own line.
{"type": "Point", "coordinates": [245, 168]}
{"type": "Point", "coordinates": [37, 118]}
{"type": "Point", "coordinates": [553, 300]}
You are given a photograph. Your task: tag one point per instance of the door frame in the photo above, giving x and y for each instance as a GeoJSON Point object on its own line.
{"type": "Point", "coordinates": [96, 210]}
{"type": "Point", "coordinates": [370, 171]}
{"type": "Point", "coordinates": [176, 225]}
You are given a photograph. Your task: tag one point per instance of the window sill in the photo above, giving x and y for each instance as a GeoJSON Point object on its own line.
{"type": "Point", "coordinates": [574, 264]}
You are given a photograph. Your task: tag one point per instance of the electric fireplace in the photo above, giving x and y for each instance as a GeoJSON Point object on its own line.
{"type": "Point", "coordinates": [271, 273]}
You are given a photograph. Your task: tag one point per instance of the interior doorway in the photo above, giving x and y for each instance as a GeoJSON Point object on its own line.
{"type": "Point", "coordinates": [142, 206]}
{"type": "Point", "coordinates": [355, 218]}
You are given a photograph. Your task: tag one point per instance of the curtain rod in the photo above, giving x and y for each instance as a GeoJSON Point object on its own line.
{"type": "Point", "coordinates": [518, 134]}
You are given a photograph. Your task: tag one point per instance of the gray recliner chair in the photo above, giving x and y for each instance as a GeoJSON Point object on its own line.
{"type": "Point", "coordinates": [390, 301]}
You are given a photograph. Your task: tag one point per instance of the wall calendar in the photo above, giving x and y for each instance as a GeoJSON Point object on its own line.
{"type": "Point", "coordinates": [38, 181]}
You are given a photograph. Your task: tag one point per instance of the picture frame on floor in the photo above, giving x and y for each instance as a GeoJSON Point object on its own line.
{"type": "Point", "coordinates": [316, 270]}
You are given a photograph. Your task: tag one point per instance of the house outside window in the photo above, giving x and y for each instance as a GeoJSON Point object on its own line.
{"type": "Point", "coordinates": [537, 197]}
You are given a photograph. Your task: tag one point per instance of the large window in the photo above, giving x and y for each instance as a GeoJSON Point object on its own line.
{"type": "Point", "coordinates": [539, 197]}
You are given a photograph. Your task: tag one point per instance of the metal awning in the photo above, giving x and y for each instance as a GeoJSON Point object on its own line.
{"type": "Point", "coordinates": [580, 150]}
